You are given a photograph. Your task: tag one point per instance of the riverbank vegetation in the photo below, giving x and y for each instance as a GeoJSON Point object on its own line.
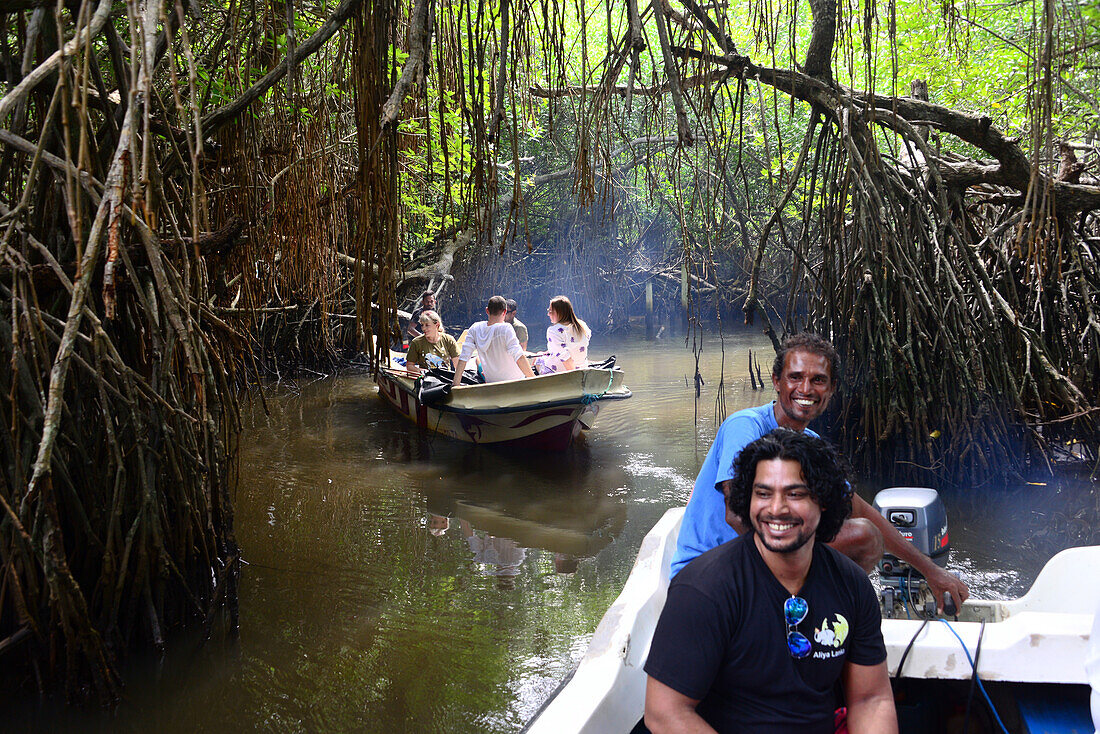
{"type": "Point", "coordinates": [197, 194]}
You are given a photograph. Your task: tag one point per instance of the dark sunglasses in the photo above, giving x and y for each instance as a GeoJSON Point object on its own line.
{"type": "Point", "coordinates": [795, 610]}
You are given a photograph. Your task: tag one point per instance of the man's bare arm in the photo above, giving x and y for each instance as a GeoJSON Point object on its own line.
{"type": "Point", "coordinates": [732, 520]}
{"type": "Point", "coordinates": [869, 699]}
{"type": "Point", "coordinates": [938, 579]}
{"type": "Point", "coordinates": [458, 372]}
{"type": "Point", "coordinates": [668, 710]}
{"type": "Point", "coordinates": [525, 366]}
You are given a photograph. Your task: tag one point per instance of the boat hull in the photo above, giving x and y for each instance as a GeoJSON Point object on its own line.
{"type": "Point", "coordinates": [548, 417]}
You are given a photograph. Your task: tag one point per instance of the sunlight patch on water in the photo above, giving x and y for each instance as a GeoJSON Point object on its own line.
{"type": "Point", "coordinates": [541, 676]}
{"type": "Point", "coordinates": [985, 583]}
{"type": "Point", "coordinates": [673, 486]}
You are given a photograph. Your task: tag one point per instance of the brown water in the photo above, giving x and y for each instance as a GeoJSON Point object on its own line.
{"type": "Point", "coordinates": [400, 583]}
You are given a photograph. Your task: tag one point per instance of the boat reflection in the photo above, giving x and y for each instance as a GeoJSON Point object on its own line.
{"type": "Point", "coordinates": [506, 503]}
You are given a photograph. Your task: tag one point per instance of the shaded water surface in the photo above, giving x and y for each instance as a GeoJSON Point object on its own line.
{"type": "Point", "coordinates": [400, 583]}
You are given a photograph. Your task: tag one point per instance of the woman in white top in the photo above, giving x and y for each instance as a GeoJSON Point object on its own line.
{"type": "Point", "coordinates": [566, 339]}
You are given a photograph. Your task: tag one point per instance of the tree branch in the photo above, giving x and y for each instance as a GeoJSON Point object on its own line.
{"type": "Point", "coordinates": [978, 130]}
{"type": "Point", "coordinates": [724, 42]}
{"type": "Point", "coordinates": [673, 73]}
{"type": "Point", "coordinates": [222, 116]}
{"type": "Point", "coordinates": [211, 243]}
{"type": "Point", "coordinates": [820, 53]}
{"type": "Point", "coordinates": [419, 38]}
{"type": "Point", "coordinates": [576, 91]}
{"type": "Point", "coordinates": [47, 67]}
{"type": "Point", "coordinates": [502, 73]}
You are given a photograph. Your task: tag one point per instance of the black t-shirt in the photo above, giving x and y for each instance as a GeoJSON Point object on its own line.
{"type": "Point", "coordinates": [722, 638]}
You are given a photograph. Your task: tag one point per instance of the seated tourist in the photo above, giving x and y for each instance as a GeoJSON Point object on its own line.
{"type": "Point", "coordinates": [433, 348]}
{"type": "Point", "coordinates": [566, 339]}
{"type": "Point", "coordinates": [498, 350]}
{"type": "Point", "coordinates": [427, 302]}
{"type": "Point", "coordinates": [757, 633]}
{"type": "Point", "coordinates": [519, 326]}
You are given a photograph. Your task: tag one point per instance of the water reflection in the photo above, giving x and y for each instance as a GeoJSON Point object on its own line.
{"type": "Point", "coordinates": [438, 524]}
{"type": "Point", "coordinates": [495, 556]}
{"type": "Point", "coordinates": [504, 503]}
{"type": "Point", "coordinates": [564, 506]}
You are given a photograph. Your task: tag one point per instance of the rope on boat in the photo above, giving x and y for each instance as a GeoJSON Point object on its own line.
{"type": "Point", "coordinates": [589, 398]}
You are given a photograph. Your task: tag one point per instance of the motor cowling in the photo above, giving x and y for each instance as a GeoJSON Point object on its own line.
{"type": "Point", "coordinates": [920, 517]}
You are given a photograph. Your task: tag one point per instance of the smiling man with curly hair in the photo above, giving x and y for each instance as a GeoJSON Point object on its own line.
{"type": "Point", "coordinates": [756, 633]}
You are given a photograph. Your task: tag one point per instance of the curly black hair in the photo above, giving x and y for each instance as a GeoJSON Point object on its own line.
{"type": "Point", "coordinates": [823, 468]}
{"type": "Point", "coordinates": [807, 342]}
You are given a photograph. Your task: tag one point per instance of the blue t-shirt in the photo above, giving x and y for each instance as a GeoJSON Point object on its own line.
{"type": "Point", "coordinates": [704, 525]}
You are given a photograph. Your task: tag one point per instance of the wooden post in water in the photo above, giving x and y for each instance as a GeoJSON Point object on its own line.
{"type": "Point", "coordinates": [684, 295]}
{"type": "Point", "coordinates": [649, 310]}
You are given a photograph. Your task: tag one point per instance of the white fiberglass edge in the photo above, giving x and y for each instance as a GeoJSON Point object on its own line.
{"type": "Point", "coordinates": [607, 692]}
{"type": "Point", "coordinates": [1041, 637]}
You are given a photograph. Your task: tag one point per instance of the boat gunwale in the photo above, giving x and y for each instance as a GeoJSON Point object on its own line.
{"type": "Point", "coordinates": [445, 408]}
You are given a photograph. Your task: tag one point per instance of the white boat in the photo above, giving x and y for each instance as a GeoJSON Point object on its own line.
{"type": "Point", "coordinates": [543, 412]}
{"type": "Point", "coordinates": [1039, 638]}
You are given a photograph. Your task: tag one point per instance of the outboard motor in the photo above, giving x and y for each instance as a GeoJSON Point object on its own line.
{"type": "Point", "coordinates": [920, 517]}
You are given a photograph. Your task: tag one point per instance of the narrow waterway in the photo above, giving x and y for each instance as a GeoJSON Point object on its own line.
{"type": "Point", "coordinates": [400, 583]}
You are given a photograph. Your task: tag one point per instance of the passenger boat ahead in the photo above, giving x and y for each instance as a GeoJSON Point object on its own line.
{"type": "Point", "coordinates": [543, 412]}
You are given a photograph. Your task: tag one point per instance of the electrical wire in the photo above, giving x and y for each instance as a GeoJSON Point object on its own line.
{"type": "Point", "coordinates": [973, 678]}
{"type": "Point", "coordinates": [905, 654]}
{"type": "Point", "coordinates": [914, 600]}
{"type": "Point", "coordinates": [977, 679]}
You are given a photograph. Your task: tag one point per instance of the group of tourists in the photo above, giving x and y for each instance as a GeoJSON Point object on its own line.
{"type": "Point", "coordinates": [500, 342]}
{"type": "Point", "coordinates": [770, 611]}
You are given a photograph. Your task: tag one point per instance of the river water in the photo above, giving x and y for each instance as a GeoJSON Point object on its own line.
{"type": "Point", "coordinates": [397, 582]}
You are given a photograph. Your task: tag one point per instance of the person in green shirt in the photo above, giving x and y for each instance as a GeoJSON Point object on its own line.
{"type": "Point", "coordinates": [433, 348]}
{"type": "Point", "coordinates": [519, 326]}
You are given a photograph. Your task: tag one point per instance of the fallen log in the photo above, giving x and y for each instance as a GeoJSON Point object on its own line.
{"type": "Point", "coordinates": [211, 243]}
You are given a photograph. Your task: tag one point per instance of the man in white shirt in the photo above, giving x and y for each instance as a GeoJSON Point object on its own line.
{"type": "Point", "coordinates": [501, 355]}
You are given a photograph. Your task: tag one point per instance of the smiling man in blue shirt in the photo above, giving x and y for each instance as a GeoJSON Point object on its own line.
{"type": "Point", "coordinates": [805, 378]}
